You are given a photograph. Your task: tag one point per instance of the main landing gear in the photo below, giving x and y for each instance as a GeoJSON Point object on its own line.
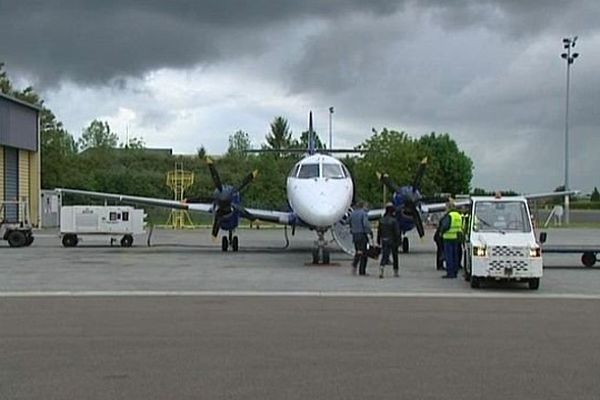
{"type": "Point", "coordinates": [230, 240]}
{"type": "Point", "coordinates": [320, 252]}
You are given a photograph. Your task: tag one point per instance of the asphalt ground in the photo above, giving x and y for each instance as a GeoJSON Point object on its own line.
{"type": "Point", "coordinates": [216, 347]}
{"type": "Point", "coordinates": [182, 320]}
{"type": "Point", "coordinates": [190, 261]}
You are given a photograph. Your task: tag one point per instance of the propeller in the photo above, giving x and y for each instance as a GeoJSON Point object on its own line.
{"type": "Point", "coordinates": [410, 195]}
{"type": "Point", "coordinates": [224, 197]}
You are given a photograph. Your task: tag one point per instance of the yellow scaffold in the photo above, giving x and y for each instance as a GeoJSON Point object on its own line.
{"type": "Point", "coordinates": [179, 181]}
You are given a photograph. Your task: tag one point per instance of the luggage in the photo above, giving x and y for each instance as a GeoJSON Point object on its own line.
{"type": "Point", "coordinates": [373, 251]}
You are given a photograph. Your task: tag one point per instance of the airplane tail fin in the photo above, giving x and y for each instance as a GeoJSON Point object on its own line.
{"type": "Point", "coordinates": [311, 137]}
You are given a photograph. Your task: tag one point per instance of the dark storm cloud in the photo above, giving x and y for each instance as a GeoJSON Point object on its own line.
{"type": "Point", "coordinates": [95, 41]}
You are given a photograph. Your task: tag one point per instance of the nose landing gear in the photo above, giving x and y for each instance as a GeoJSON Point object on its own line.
{"type": "Point", "coordinates": [321, 251]}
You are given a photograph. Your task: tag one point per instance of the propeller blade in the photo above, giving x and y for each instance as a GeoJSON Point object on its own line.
{"type": "Point", "coordinates": [417, 219]}
{"type": "Point", "coordinates": [247, 179]}
{"type": "Point", "coordinates": [215, 226]}
{"type": "Point", "coordinates": [244, 213]}
{"type": "Point", "coordinates": [419, 175]}
{"type": "Point", "coordinates": [214, 174]}
{"type": "Point", "coordinates": [385, 178]}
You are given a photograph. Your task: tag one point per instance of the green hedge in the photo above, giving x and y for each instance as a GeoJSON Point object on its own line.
{"type": "Point", "coordinates": [585, 205]}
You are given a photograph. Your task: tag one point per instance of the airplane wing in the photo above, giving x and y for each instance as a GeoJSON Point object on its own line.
{"type": "Point", "coordinates": [439, 207]}
{"type": "Point", "coordinates": [279, 217]}
{"type": "Point", "coordinates": [535, 196]}
{"type": "Point", "coordinates": [150, 201]}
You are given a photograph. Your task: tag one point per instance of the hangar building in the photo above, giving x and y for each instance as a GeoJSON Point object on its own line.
{"type": "Point", "coordinates": [20, 164]}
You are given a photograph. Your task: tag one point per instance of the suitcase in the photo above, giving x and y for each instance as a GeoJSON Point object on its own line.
{"type": "Point", "coordinates": [373, 251]}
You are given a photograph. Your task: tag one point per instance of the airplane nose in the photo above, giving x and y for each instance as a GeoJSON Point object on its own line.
{"type": "Point", "coordinates": [326, 211]}
{"type": "Point", "coordinates": [322, 215]}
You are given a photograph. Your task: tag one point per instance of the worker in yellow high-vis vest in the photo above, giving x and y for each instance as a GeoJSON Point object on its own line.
{"type": "Point", "coordinates": [451, 228]}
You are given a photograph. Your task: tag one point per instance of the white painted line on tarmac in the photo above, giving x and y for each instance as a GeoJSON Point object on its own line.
{"type": "Point", "coordinates": [152, 293]}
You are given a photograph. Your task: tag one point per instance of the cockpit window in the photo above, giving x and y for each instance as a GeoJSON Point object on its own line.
{"type": "Point", "coordinates": [308, 171]}
{"type": "Point", "coordinates": [294, 171]}
{"type": "Point", "coordinates": [333, 171]}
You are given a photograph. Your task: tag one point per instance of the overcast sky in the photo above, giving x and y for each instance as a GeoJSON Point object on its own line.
{"type": "Point", "coordinates": [185, 74]}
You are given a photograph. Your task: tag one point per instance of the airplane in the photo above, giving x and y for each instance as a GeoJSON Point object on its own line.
{"type": "Point", "coordinates": [319, 191]}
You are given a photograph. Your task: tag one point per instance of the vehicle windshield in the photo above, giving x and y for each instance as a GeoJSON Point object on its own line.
{"type": "Point", "coordinates": [308, 171]}
{"type": "Point", "coordinates": [333, 171]}
{"type": "Point", "coordinates": [501, 216]}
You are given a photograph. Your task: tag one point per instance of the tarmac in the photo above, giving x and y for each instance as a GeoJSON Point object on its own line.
{"type": "Point", "coordinates": [189, 261]}
{"type": "Point", "coordinates": [182, 320]}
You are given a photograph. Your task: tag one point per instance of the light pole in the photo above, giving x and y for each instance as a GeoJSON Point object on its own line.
{"type": "Point", "coordinates": [330, 128]}
{"type": "Point", "coordinates": [568, 44]}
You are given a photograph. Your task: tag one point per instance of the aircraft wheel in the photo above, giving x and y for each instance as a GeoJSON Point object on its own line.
{"type": "Point", "coordinates": [475, 282]}
{"type": "Point", "coordinates": [325, 256]}
{"type": "Point", "coordinates": [16, 239]}
{"type": "Point", "coordinates": [127, 241]}
{"type": "Point", "coordinates": [235, 243]}
{"type": "Point", "coordinates": [405, 245]}
{"type": "Point", "coordinates": [315, 256]}
{"type": "Point", "coordinates": [588, 259]}
{"type": "Point", "coordinates": [70, 240]}
{"type": "Point", "coordinates": [224, 243]}
{"type": "Point", "coordinates": [534, 283]}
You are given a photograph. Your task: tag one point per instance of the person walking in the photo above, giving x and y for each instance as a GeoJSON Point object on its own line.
{"type": "Point", "coordinates": [451, 230]}
{"type": "Point", "coordinates": [388, 237]}
{"type": "Point", "coordinates": [361, 231]}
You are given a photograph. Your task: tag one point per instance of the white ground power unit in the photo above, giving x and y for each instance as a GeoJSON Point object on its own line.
{"type": "Point", "coordinates": [117, 222]}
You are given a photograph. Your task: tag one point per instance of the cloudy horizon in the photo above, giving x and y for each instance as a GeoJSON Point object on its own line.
{"type": "Point", "coordinates": [186, 74]}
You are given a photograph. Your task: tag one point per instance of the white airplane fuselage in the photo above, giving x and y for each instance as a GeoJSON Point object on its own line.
{"type": "Point", "coordinates": [319, 190]}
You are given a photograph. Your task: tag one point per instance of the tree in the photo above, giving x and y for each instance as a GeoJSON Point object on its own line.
{"type": "Point", "coordinates": [388, 151]}
{"type": "Point", "coordinates": [449, 169]}
{"type": "Point", "coordinates": [5, 85]}
{"type": "Point", "coordinates": [239, 144]}
{"type": "Point", "coordinates": [98, 136]}
{"type": "Point", "coordinates": [201, 152]}
{"type": "Point", "coordinates": [595, 195]}
{"type": "Point", "coordinates": [303, 142]}
{"type": "Point", "coordinates": [280, 136]}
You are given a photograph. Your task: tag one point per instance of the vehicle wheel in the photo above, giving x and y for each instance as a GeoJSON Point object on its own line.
{"type": "Point", "coordinates": [534, 283]}
{"type": "Point", "coordinates": [29, 240]}
{"type": "Point", "coordinates": [70, 240]}
{"type": "Point", "coordinates": [325, 256]}
{"type": "Point", "coordinates": [467, 275]}
{"type": "Point", "coordinates": [16, 239]}
{"type": "Point", "coordinates": [315, 256]}
{"type": "Point", "coordinates": [588, 259]}
{"type": "Point", "coordinates": [405, 245]}
{"type": "Point", "coordinates": [224, 243]}
{"type": "Point", "coordinates": [235, 243]}
{"type": "Point", "coordinates": [475, 282]}
{"type": "Point", "coordinates": [467, 270]}
{"type": "Point", "coordinates": [127, 241]}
